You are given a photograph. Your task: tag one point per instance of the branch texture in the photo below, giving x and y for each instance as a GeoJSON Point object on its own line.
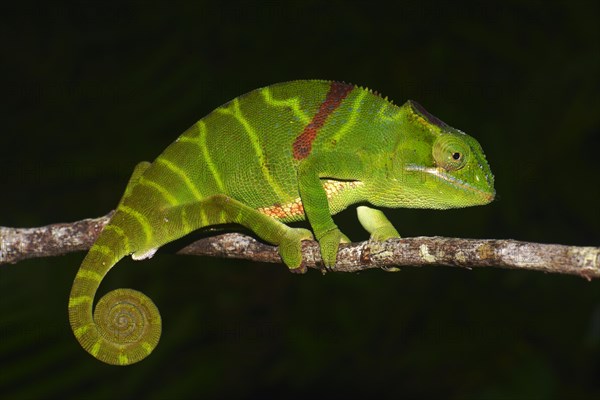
{"type": "Point", "coordinates": [22, 243]}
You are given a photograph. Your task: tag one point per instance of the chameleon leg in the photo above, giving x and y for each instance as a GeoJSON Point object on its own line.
{"type": "Point", "coordinates": [135, 177]}
{"type": "Point", "coordinates": [317, 211]}
{"type": "Point", "coordinates": [376, 223]}
{"type": "Point", "coordinates": [222, 209]}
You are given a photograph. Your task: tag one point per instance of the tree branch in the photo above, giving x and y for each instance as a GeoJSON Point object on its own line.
{"type": "Point", "coordinates": [18, 244]}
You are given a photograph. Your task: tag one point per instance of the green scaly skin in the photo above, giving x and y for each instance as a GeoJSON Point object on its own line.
{"type": "Point", "coordinates": [287, 152]}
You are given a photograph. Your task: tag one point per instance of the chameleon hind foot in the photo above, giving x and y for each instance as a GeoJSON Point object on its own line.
{"type": "Point", "coordinates": [290, 248]}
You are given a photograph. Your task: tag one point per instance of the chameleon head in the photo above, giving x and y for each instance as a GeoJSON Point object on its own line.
{"type": "Point", "coordinates": [435, 166]}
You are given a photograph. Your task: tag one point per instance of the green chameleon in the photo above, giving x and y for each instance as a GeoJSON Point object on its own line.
{"type": "Point", "coordinates": [298, 150]}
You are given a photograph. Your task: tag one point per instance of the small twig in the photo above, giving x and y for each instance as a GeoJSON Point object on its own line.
{"type": "Point", "coordinates": [22, 243]}
{"type": "Point", "coordinates": [18, 244]}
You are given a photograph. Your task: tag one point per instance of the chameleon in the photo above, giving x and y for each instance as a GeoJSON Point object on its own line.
{"type": "Point", "coordinates": [298, 150]}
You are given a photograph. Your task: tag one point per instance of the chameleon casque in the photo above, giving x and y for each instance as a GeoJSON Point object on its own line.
{"type": "Point", "coordinates": [298, 150]}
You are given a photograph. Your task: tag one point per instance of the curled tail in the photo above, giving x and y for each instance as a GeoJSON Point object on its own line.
{"type": "Point", "coordinates": [125, 326]}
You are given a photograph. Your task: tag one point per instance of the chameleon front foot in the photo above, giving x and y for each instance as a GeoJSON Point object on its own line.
{"type": "Point", "coordinates": [376, 223]}
{"type": "Point", "coordinates": [329, 243]}
{"type": "Point", "coordinates": [384, 233]}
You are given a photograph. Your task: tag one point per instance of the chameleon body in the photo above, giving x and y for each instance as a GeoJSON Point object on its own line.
{"type": "Point", "coordinates": [287, 152]}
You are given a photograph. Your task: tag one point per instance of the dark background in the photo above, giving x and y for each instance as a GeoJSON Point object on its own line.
{"type": "Point", "coordinates": [90, 90]}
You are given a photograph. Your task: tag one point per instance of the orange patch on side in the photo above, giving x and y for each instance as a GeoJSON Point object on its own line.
{"type": "Point", "coordinates": [332, 188]}
{"type": "Point", "coordinates": [283, 211]}
{"type": "Point", "coordinates": [295, 208]}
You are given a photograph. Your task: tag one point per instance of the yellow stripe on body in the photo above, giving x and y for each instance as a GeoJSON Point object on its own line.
{"type": "Point", "coordinates": [184, 221]}
{"type": "Point", "coordinates": [203, 218]}
{"type": "Point", "coordinates": [96, 348]}
{"type": "Point", "coordinates": [107, 251]}
{"type": "Point", "coordinates": [293, 103]}
{"type": "Point", "coordinates": [119, 231]}
{"type": "Point", "coordinates": [147, 346]}
{"type": "Point", "coordinates": [88, 274]}
{"type": "Point", "coordinates": [255, 141]}
{"type": "Point", "coordinates": [123, 359]}
{"type": "Point", "coordinates": [209, 162]}
{"type": "Point", "coordinates": [421, 120]}
{"type": "Point", "coordinates": [381, 113]}
{"type": "Point", "coordinates": [222, 218]}
{"type": "Point", "coordinates": [200, 140]}
{"type": "Point", "coordinates": [172, 200]}
{"type": "Point", "coordinates": [181, 173]}
{"type": "Point", "coordinates": [353, 116]}
{"type": "Point", "coordinates": [79, 332]}
{"type": "Point", "coordinates": [76, 301]}
{"type": "Point", "coordinates": [142, 220]}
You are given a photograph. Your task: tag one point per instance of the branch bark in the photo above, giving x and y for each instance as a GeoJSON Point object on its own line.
{"type": "Point", "coordinates": [18, 244]}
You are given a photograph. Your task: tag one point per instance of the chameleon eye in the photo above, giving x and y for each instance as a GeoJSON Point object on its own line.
{"type": "Point", "coordinates": [450, 153]}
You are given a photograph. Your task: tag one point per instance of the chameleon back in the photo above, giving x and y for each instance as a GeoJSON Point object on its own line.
{"type": "Point", "coordinates": [245, 148]}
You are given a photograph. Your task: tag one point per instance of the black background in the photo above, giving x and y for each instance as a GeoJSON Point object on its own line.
{"type": "Point", "coordinates": [89, 90]}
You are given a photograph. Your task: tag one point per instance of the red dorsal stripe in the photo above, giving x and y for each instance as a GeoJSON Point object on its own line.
{"type": "Point", "coordinates": [303, 143]}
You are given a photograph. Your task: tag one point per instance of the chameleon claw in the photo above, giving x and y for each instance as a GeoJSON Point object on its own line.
{"type": "Point", "coordinates": [302, 269]}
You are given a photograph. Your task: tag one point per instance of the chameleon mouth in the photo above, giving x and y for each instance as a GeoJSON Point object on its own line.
{"type": "Point", "coordinates": [440, 173]}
